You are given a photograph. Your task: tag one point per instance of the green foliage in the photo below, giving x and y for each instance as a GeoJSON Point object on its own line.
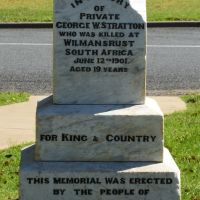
{"type": "Point", "coordinates": [173, 10]}
{"type": "Point", "coordinates": [182, 137]}
{"type": "Point", "coordinates": [9, 173]}
{"type": "Point", "coordinates": [26, 10]}
{"type": "Point", "coordinates": [13, 97]}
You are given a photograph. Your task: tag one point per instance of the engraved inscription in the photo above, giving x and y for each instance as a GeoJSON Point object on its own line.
{"type": "Point", "coordinates": [93, 39]}
{"type": "Point", "coordinates": [64, 137]}
{"type": "Point", "coordinates": [104, 186]}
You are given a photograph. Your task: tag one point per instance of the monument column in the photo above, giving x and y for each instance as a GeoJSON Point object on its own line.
{"type": "Point", "coordinates": [98, 136]}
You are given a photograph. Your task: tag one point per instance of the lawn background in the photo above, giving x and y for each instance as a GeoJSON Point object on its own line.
{"type": "Point", "coordinates": [41, 10]}
{"type": "Point", "coordinates": [7, 98]}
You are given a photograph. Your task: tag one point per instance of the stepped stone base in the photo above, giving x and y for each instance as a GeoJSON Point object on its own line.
{"type": "Point", "coordinates": [98, 180]}
{"type": "Point", "coordinates": [99, 132]}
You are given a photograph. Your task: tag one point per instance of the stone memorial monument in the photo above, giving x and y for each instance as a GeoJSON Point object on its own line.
{"type": "Point", "coordinates": [98, 136]}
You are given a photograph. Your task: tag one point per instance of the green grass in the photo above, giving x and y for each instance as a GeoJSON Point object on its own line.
{"type": "Point", "coordinates": [9, 173]}
{"type": "Point", "coordinates": [26, 10]}
{"type": "Point", "coordinates": [173, 10]}
{"type": "Point", "coordinates": [13, 97]}
{"type": "Point", "coordinates": [182, 137]}
{"type": "Point", "coordinates": [41, 10]}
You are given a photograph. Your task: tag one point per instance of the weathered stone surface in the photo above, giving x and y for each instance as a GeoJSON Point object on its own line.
{"type": "Point", "coordinates": [104, 65]}
{"type": "Point", "coordinates": [98, 180]}
{"type": "Point", "coordinates": [99, 132]}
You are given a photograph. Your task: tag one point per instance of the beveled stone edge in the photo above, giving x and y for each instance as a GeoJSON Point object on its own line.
{"type": "Point", "coordinates": [28, 163]}
{"type": "Point", "coordinates": [150, 103]}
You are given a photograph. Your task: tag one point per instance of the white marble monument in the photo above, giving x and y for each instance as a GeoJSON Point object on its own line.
{"type": "Point", "coordinates": [99, 52]}
{"type": "Point", "coordinates": [98, 136]}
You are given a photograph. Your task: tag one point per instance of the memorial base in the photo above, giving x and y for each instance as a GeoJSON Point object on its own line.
{"type": "Point", "coordinates": [99, 132]}
{"type": "Point", "coordinates": [98, 180]}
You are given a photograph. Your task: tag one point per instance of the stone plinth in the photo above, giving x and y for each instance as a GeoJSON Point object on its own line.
{"type": "Point", "coordinates": [98, 180]}
{"type": "Point", "coordinates": [99, 132]}
{"type": "Point", "coordinates": [99, 52]}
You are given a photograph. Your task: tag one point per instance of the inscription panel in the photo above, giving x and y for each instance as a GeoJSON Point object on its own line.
{"type": "Point", "coordinates": [99, 180]}
{"type": "Point", "coordinates": [99, 132]}
{"type": "Point", "coordinates": [99, 52]}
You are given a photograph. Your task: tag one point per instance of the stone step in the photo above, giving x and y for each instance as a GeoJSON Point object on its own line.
{"type": "Point", "coordinates": [98, 180]}
{"type": "Point", "coordinates": [99, 132]}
